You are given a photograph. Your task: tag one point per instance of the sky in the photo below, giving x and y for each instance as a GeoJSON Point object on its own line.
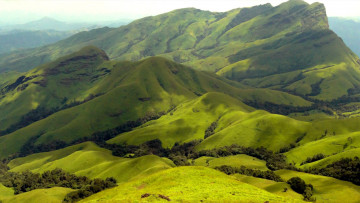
{"type": "Point", "coordinates": [21, 11]}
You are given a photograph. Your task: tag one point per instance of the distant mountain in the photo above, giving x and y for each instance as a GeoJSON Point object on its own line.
{"type": "Point", "coordinates": [348, 30]}
{"type": "Point", "coordinates": [288, 47]}
{"type": "Point", "coordinates": [47, 23]}
{"type": "Point", "coordinates": [22, 39]}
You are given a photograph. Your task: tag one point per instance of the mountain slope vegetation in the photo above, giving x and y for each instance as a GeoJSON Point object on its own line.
{"type": "Point", "coordinates": [188, 184]}
{"type": "Point", "coordinates": [79, 94]}
{"type": "Point", "coordinates": [91, 161]}
{"type": "Point", "coordinates": [246, 105]}
{"type": "Point", "coordinates": [290, 45]}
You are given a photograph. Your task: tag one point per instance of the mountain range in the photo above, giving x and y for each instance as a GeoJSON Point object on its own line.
{"type": "Point", "coordinates": [348, 30]}
{"type": "Point", "coordinates": [255, 104]}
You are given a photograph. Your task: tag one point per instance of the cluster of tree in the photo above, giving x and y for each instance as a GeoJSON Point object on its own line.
{"type": "Point", "coordinates": [98, 137]}
{"type": "Point", "coordinates": [27, 181]}
{"type": "Point", "coordinates": [274, 161]}
{"type": "Point", "coordinates": [347, 169]}
{"type": "Point", "coordinates": [288, 148]}
{"type": "Point", "coordinates": [95, 186]}
{"type": "Point", "coordinates": [30, 148]}
{"type": "Point", "coordinates": [299, 186]}
{"type": "Point", "coordinates": [41, 112]}
{"type": "Point", "coordinates": [210, 130]}
{"type": "Point", "coordinates": [316, 157]}
{"type": "Point", "coordinates": [270, 175]}
{"type": "Point", "coordinates": [280, 108]}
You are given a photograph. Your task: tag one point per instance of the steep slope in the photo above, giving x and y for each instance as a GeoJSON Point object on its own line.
{"type": "Point", "coordinates": [187, 122]}
{"type": "Point", "coordinates": [236, 124]}
{"type": "Point", "coordinates": [190, 184]}
{"type": "Point", "coordinates": [291, 44]}
{"type": "Point", "coordinates": [92, 161]}
{"type": "Point", "coordinates": [61, 82]}
{"type": "Point", "coordinates": [84, 93]}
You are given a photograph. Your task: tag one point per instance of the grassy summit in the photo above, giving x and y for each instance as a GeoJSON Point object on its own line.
{"type": "Point", "coordinates": [288, 47]}
{"type": "Point", "coordinates": [83, 93]}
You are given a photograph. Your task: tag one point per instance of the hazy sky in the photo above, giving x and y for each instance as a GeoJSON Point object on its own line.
{"type": "Point", "coordinates": [110, 10]}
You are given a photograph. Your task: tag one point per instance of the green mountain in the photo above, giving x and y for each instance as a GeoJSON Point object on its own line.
{"type": "Point", "coordinates": [171, 107]}
{"type": "Point", "coordinates": [83, 93]}
{"type": "Point", "coordinates": [288, 47]}
{"type": "Point", "coordinates": [348, 30]}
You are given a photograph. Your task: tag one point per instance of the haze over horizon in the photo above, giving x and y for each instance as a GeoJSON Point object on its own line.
{"type": "Point", "coordinates": [22, 11]}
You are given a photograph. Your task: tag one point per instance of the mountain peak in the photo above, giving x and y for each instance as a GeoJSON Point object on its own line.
{"type": "Point", "coordinates": [93, 51]}
{"type": "Point", "coordinates": [47, 19]}
{"type": "Point", "coordinates": [85, 58]}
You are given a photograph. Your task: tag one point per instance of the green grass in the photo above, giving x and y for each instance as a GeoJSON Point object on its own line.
{"type": "Point", "coordinates": [326, 189]}
{"type": "Point", "coordinates": [234, 161]}
{"type": "Point", "coordinates": [51, 195]}
{"type": "Point", "coordinates": [270, 186]}
{"type": "Point", "coordinates": [237, 124]}
{"type": "Point", "coordinates": [351, 153]}
{"type": "Point", "coordinates": [330, 145]}
{"type": "Point", "coordinates": [5, 192]}
{"type": "Point", "coordinates": [241, 44]}
{"type": "Point", "coordinates": [255, 129]}
{"type": "Point", "coordinates": [187, 122]}
{"type": "Point", "coordinates": [89, 160]}
{"type": "Point", "coordinates": [163, 83]}
{"type": "Point", "coordinates": [188, 184]}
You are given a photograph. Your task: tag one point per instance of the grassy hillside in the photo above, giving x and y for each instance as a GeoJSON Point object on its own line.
{"type": "Point", "coordinates": [105, 94]}
{"type": "Point", "coordinates": [331, 145]}
{"type": "Point", "coordinates": [235, 125]}
{"type": "Point", "coordinates": [290, 44]}
{"type": "Point", "coordinates": [61, 82]}
{"type": "Point", "coordinates": [185, 123]}
{"type": "Point", "coordinates": [255, 129]}
{"type": "Point", "coordinates": [270, 186]}
{"type": "Point", "coordinates": [92, 161]}
{"type": "Point", "coordinates": [187, 184]}
{"type": "Point", "coordinates": [51, 195]}
{"type": "Point", "coordinates": [326, 189]}
{"type": "Point", "coordinates": [5, 192]}
{"type": "Point", "coordinates": [234, 161]}
{"type": "Point", "coordinates": [351, 153]}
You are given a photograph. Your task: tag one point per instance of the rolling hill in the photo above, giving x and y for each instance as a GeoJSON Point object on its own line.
{"type": "Point", "coordinates": [236, 124]}
{"type": "Point", "coordinates": [79, 94]}
{"type": "Point", "coordinates": [188, 184]}
{"type": "Point", "coordinates": [263, 46]}
{"type": "Point", "coordinates": [91, 161]}
{"type": "Point", "coordinates": [166, 103]}
{"type": "Point", "coordinates": [326, 189]}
